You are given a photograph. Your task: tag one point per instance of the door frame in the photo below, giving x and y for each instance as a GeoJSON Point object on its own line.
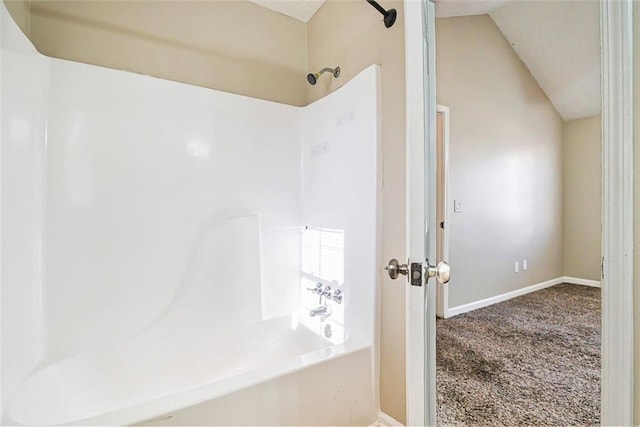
{"type": "Point", "coordinates": [442, 289]}
{"type": "Point", "coordinates": [617, 378]}
{"type": "Point", "coordinates": [616, 21]}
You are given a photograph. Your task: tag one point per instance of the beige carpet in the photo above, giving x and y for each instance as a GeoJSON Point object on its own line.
{"type": "Point", "coordinates": [532, 360]}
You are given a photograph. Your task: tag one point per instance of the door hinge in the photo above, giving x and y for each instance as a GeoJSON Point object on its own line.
{"type": "Point", "coordinates": [602, 268]}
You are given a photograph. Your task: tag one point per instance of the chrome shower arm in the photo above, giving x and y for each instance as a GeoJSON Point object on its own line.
{"type": "Point", "coordinates": [313, 78]}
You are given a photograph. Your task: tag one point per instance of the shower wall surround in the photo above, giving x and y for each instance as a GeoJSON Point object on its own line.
{"type": "Point", "coordinates": [151, 241]}
{"type": "Point", "coordinates": [141, 173]}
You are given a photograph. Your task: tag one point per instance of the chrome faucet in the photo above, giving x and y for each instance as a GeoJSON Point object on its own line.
{"type": "Point", "coordinates": [325, 292]}
{"type": "Point", "coordinates": [323, 311]}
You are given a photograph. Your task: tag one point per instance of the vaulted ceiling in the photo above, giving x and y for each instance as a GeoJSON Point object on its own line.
{"type": "Point", "coordinates": [558, 40]}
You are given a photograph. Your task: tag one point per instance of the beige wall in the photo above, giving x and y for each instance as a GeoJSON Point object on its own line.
{"type": "Point", "coordinates": [636, 170]}
{"type": "Point", "coordinates": [234, 46]}
{"type": "Point", "coordinates": [505, 163]}
{"type": "Point", "coordinates": [351, 34]}
{"type": "Point", "coordinates": [582, 196]}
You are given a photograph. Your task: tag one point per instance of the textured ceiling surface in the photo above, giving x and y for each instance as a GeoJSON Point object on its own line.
{"type": "Point", "coordinates": [559, 41]}
{"type": "Point", "coordinates": [302, 10]}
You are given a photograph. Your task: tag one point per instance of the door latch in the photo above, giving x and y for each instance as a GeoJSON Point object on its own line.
{"type": "Point", "coordinates": [416, 274]}
{"type": "Point", "coordinates": [414, 271]}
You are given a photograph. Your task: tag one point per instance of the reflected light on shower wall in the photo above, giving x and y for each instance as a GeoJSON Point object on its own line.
{"type": "Point", "coordinates": [323, 255]}
{"type": "Point", "coordinates": [198, 148]}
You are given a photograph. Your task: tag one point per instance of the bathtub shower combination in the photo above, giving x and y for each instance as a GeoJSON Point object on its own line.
{"type": "Point", "coordinates": [165, 245]}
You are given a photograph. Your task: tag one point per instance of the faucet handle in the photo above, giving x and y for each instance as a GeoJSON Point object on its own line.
{"type": "Point", "coordinates": [327, 291]}
{"type": "Point", "coordinates": [338, 296]}
{"type": "Point", "coordinates": [317, 289]}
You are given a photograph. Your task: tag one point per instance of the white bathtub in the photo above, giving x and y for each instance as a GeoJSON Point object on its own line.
{"type": "Point", "coordinates": [209, 341]}
{"type": "Point", "coordinates": [139, 379]}
{"type": "Point", "coordinates": [152, 245]}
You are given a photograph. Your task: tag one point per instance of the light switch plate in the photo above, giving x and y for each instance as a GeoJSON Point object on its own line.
{"type": "Point", "coordinates": [457, 206]}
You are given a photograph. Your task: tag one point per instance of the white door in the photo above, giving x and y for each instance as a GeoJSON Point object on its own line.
{"type": "Point", "coordinates": [421, 208]}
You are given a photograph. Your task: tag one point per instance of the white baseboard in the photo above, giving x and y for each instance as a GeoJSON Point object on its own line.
{"type": "Point", "coordinates": [585, 282]}
{"type": "Point", "coordinates": [385, 420]}
{"type": "Point", "coordinates": [518, 292]}
{"type": "Point", "coordinates": [502, 297]}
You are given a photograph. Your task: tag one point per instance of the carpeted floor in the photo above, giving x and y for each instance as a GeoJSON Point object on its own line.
{"type": "Point", "coordinates": [532, 360]}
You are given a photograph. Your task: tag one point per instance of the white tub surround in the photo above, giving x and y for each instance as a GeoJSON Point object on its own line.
{"type": "Point", "coordinates": [152, 253]}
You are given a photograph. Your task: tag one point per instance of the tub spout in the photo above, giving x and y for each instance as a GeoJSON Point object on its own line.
{"type": "Point", "coordinates": [323, 311]}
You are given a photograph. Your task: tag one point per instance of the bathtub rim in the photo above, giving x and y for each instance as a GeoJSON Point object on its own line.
{"type": "Point", "coordinates": [160, 406]}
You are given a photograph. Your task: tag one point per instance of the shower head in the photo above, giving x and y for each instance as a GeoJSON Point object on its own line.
{"type": "Point", "coordinates": [390, 18]}
{"type": "Point", "coordinates": [313, 78]}
{"type": "Point", "coordinates": [389, 15]}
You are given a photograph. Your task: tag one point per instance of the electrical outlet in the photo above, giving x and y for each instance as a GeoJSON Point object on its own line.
{"type": "Point", "coordinates": [516, 267]}
{"type": "Point", "coordinates": [524, 265]}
